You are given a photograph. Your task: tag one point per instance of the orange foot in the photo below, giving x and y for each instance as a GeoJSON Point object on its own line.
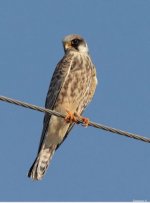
{"type": "Point", "coordinates": [70, 117]}
{"type": "Point", "coordinates": [85, 121]}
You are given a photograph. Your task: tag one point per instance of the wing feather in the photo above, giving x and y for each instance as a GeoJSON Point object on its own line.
{"type": "Point", "coordinates": [59, 76]}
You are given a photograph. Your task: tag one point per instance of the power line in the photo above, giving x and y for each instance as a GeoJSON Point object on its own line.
{"type": "Point", "coordinates": [93, 124]}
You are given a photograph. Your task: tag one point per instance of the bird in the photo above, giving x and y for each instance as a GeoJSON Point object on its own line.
{"type": "Point", "coordinates": [71, 89]}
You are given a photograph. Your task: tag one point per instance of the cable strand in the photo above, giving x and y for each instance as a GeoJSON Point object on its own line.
{"type": "Point", "coordinates": [92, 124]}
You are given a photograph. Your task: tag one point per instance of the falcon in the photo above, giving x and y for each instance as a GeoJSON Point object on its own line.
{"type": "Point", "coordinates": [71, 89]}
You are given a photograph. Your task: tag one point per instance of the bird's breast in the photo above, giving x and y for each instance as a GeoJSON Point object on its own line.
{"type": "Point", "coordinates": [76, 87]}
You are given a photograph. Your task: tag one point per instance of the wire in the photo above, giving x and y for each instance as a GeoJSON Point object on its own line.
{"type": "Point", "coordinates": [93, 124]}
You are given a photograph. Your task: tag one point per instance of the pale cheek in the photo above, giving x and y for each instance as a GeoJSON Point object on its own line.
{"type": "Point", "coordinates": [83, 48]}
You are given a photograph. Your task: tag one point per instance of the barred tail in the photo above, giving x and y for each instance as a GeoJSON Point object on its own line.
{"type": "Point", "coordinates": [41, 163]}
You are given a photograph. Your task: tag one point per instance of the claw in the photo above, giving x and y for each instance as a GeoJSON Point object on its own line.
{"type": "Point", "coordinates": [85, 121]}
{"type": "Point", "coordinates": [70, 117]}
{"type": "Point", "coordinates": [73, 117]}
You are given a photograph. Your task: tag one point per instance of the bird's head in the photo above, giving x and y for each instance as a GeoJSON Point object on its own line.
{"type": "Point", "coordinates": [76, 43]}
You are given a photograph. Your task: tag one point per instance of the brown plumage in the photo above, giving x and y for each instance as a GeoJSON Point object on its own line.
{"type": "Point", "coordinates": [71, 89]}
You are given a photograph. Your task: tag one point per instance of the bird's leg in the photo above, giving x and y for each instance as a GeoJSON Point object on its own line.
{"type": "Point", "coordinates": [70, 117]}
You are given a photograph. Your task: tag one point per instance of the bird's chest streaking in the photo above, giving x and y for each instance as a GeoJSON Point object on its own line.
{"type": "Point", "coordinates": [75, 90]}
{"type": "Point", "coordinates": [73, 96]}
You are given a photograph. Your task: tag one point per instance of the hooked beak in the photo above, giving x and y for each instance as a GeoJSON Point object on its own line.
{"type": "Point", "coordinates": [67, 45]}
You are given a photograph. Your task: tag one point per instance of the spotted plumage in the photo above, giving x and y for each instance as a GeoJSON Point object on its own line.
{"type": "Point", "coordinates": [71, 89]}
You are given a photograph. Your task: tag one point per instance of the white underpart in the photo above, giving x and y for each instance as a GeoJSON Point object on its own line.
{"type": "Point", "coordinates": [83, 48]}
{"type": "Point", "coordinates": [96, 80]}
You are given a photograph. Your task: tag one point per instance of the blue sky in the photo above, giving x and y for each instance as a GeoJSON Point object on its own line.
{"type": "Point", "coordinates": [91, 165]}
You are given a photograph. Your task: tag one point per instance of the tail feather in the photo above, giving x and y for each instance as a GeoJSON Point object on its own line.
{"type": "Point", "coordinates": [41, 163]}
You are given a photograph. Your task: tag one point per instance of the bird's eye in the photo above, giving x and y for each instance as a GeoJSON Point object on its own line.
{"type": "Point", "coordinates": [75, 42]}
